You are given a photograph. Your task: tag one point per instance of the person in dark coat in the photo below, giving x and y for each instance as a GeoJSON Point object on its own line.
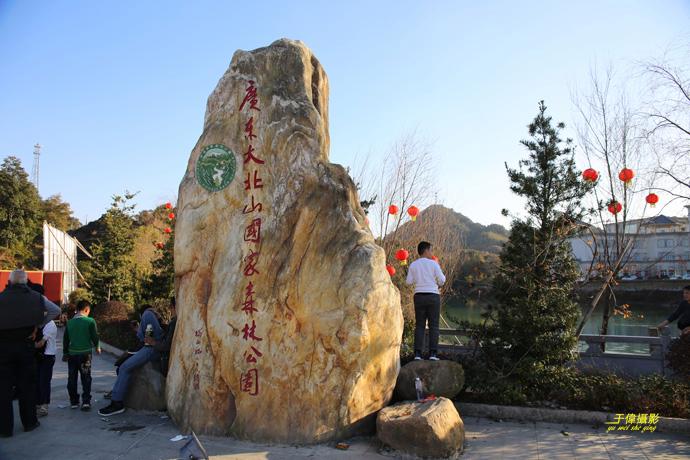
{"type": "Point", "coordinates": [22, 312]}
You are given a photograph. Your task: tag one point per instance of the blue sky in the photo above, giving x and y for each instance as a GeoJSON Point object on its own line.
{"type": "Point", "coordinates": [115, 91]}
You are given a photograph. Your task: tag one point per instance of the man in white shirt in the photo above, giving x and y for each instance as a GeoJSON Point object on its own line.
{"type": "Point", "coordinates": [426, 275]}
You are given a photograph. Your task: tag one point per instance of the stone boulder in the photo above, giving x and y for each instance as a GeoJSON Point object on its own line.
{"type": "Point", "coordinates": [431, 429]}
{"type": "Point", "coordinates": [440, 378]}
{"type": "Point", "coordinates": [147, 388]}
{"type": "Point", "coordinates": [289, 326]}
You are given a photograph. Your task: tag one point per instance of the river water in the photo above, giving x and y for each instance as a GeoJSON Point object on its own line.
{"type": "Point", "coordinates": [644, 315]}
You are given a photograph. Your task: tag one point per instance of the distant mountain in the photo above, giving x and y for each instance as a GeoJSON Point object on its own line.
{"type": "Point", "coordinates": [475, 236]}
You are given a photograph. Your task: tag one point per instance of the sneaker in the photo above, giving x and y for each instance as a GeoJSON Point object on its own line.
{"type": "Point", "coordinates": [417, 357]}
{"type": "Point", "coordinates": [115, 407]}
{"type": "Point", "coordinates": [86, 407]}
{"type": "Point", "coordinates": [42, 410]}
{"type": "Point", "coordinates": [74, 406]}
{"type": "Point", "coordinates": [433, 357]}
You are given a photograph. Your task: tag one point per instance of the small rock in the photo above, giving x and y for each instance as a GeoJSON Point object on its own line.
{"type": "Point", "coordinates": [441, 378]}
{"type": "Point", "coordinates": [146, 388]}
{"type": "Point", "coordinates": [431, 429]}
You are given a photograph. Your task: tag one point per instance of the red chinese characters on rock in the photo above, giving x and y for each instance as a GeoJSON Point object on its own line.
{"type": "Point", "coordinates": [248, 305]}
{"type": "Point", "coordinates": [251, 260]}
{"type": "Point", "coordinates": [249, 380]}
{"type": "Point", "coordinates": [251, 355]}
{"type": "Point", "coordinates": [249, 156]}
{"type": "Point", "coordinates": [197, 351]}
{"type": "Point", "coordinates": [252, 233]}
{"type": "Point", "coordinates": [255, 207]}
{"type": "Point", "coordinates": [253, 183]}
{"type": "Point", "coordinates": [249, 332]}
{"type": "Point", "coordinates": [251, 96]}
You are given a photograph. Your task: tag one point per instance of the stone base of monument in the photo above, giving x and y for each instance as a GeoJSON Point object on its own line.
{"type": "Point", "coordinates": [432, 429]}
{"type": "Point", "coordinates": [439, 378]}
{"type": "Point", "coordinates": [147, 388]}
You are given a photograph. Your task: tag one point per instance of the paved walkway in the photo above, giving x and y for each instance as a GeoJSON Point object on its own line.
{"type": "Point", "coordinates": [68, 434]}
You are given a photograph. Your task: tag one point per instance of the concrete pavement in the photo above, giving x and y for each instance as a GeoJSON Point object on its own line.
{"type": "Point", "coordinates": [67, 434]}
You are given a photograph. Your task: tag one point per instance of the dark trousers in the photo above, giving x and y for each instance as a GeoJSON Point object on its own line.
{"type": "Point", "coordinates": [79, 365]}
{"type": "Point", "coordinates": [45, 375]}
{"type": "Point", "coordinates": [427, 307]}
{"type": "Point", "coordinates": [17, 367]}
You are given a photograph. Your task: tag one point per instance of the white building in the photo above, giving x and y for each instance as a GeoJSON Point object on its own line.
{"type": "Point", "coordinates": [660, 247]}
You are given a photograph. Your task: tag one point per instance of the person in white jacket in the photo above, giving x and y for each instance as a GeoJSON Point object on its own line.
{"type": "Point", "coordinates": [426, 276]}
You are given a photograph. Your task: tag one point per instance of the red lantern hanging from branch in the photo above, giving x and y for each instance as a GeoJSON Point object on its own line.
{"type": "Point", "coordinates": [168, 230]}
{"type": "Point", "coordinates": [652, 199]}
{"type": "Point", "coordinates": [626, 175]}
{"type": "Point", "coordinates": [413, 211]}
{"type": "Point", "coordinates": [168, 205]}
{"type": "Point", "coordinates": [390, 269]}
{"type": "Point", "coordinates": [590, 175]}
{"type": "Point", "coordinates": [171, 216]}
{"type": "Point", "coordinates": [392, 210]}
{"type": "Point", "coordinates": [615, 207]}
{"type": "Point", "coordinates": [402, 256]}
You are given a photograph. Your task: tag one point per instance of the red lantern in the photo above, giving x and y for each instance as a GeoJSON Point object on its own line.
{"type": "Point", "coordinates": [590, 175]}
{"type": "Point", "coordinates": [652, 199]}
{"type": "Point", "coordinates": [392, 210]}
{"type": "Point", "coordinates": [434, 258]}
{"type": "Point", "coordinates": [626, 175]}
{"type": "Point", "coordinates": [171, 216]}
{"type": "Point", "coordinates": [167, 230]}
{"type": "Point", "coordinates": [402, 256]}
{"type": "Point", "coordinates": [391, 269]}
{"type": "Point", "coordinates": [168, 205]}
{"type": "Point", "coordinates": [615, 207]}
{"type": "Point", "coordinates": [413, 211]}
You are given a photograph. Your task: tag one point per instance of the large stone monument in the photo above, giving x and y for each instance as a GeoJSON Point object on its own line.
{"type": "Point", "coordinates": [289, 326]}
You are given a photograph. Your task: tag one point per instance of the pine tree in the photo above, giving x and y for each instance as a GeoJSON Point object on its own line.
{"type": "Point", "coordinates": [536, 314]}
{"type": "Point", "coordinates": [20, 212]}
{"type": "Point", "coordinates": [111, 274]}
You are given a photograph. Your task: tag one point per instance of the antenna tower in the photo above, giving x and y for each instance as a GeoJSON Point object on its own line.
{"type": "Point", "coordinates": [37, 157]}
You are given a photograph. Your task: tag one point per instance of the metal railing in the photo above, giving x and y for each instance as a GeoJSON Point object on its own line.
{"type": "Point", "coordinates": [593, 351]}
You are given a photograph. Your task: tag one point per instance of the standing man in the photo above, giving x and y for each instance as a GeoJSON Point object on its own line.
{"type": "Point", "coordinates": [22, 311]}
{"type": "Point", "coordinates": [80, 337]}
{"type": "Point", "coordinates": [426, 276]}
{"type": "Point", "coordinates": [682, 314]}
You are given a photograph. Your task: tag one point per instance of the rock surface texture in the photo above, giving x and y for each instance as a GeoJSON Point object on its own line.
{"type": "Point", "coordinates": [146, 389]}
{"type": "Point", "coordinates": [439, 378]}
{"type": "Point", "coordinates": [289, 326]}
{"type": "Point", "coordinates": [432, 429]}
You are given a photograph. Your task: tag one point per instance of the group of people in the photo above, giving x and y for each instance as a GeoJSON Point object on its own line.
{"type": "Point", "coordinates": [28, 346]}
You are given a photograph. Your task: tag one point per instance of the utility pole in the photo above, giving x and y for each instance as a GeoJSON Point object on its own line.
{"type": "Point", "coordinates": [37, 157]}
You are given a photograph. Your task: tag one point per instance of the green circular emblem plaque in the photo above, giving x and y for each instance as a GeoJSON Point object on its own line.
{"type": "Point", "coordinates": [216, 167]}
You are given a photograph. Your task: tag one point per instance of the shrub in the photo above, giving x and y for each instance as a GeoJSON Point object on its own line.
{"type": "Point", "coordinates": [108, 312]}
{"type": "Point", "coordinates": [678, 357]}
{"type": "Point", "coordinates": [575, 389]}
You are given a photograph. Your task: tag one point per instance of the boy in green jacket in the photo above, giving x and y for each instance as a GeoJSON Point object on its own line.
{"type": "Point", "coordinates": [80, 337]}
